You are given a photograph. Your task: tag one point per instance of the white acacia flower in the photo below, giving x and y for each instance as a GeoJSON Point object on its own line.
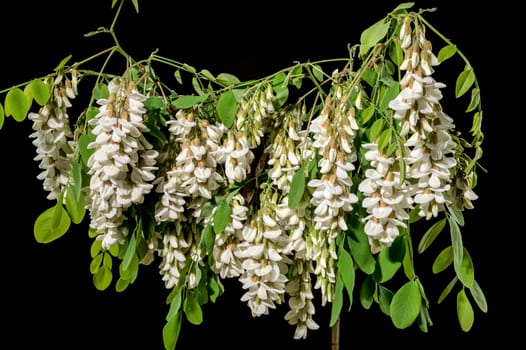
{"type": "Point", "coordinates": [227, 261]}
{"type": "Point", "coordinates": [53, 138]}
{"type": "Point", "coordinates": [122, 165]}
{"type": "Point", "coordinates": [385, 197]}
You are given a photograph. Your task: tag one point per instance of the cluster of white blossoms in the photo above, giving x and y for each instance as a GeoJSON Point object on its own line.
{"type": "Point", "coordinates": [291, 148]}
{"type": "Point", "coordinates": [53, 137]}
{"type": "Point", "coordinates": [190, 179]}
{"type": "Point", "coordinates": [386, 198]}
{"type": "Point", "coordinates": [122, 166]}
{"type": "Point", "coordinates": [429, 130]}
{"type": "Point", "coordinates": [333, 132]}
{"type": "Point", "coordinates": [429, 150]}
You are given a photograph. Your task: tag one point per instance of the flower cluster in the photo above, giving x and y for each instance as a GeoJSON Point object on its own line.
{"type": "Point", "coordinates": [53, 137]}
{"type": "Point", "coordinates": [123, 163]}
{"type": "Point", "coordinates": [239, 183]}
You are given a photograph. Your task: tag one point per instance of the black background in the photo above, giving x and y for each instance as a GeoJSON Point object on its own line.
{"type": "Point", "coordinates": [48, 300]}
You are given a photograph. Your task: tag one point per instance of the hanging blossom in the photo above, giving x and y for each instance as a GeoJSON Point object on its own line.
{"type": "Point", "coordinates": [291, 148]}
{"type": "Point", "coordinates": [264, 264]}
{"type": "Point", "coordinates": [180, 242]}
{"type": "Point", "coordinates": [252, 117]}
{"type": "Point", "coordinates": [191, 179]}
{"type": "Point", "coordinates": [333, 131]}
{"type": "Point", "coordinates": [226, 251]}
{"type": "Point", "coordinates": [123, 164]}
{"type": "Point", "coordinates": [53, 137]}
{"type": "Point", "coordinates": [386, 198]}
{"type": "Point", "coordinates": [428, 129]}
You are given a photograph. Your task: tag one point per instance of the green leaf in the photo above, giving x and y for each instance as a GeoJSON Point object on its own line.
{"type": "Point", "coordinates": [465, 312]}
{"type": "Point", "coordinates": [385, 267]}
{"type": "Point", "coordinates": [403, 6]}
{"type": "Point", "coordinates": [206, 73]}
{"type": "Point", "coordinates": [372, 35]}
{"type": "Point", "coordinates": [222, 217]}
{"type": "Point", "coordinates": [188, 101]}
{"type": "Point", "coordinates": [367, 292]}
{"type": "Point", "coordinates": [171, 331]}
{"type": "Point", "coordinates": [466, 270]}
{"type": "Point", "coordinates": [456, 215]}
{"type": "Point", "coordinates": [297, 188]}
{"type": "Point", "coordinates": [192, 309]}
{"type": "Point", "coordinates": [75, 207]}
{"type": "Point", "coordinates": [129, 253]}
{"type": "Point", "coordinates": [443, 260]}
{"type": "Point", "coordinates": [95, 263]}
{"type": "Point", "coordinates": [227, 79]}
{"type": "Point", "coordinates": [407, 261]}
{"type": "Point", "coordinates": [102, 279]}
{"type": "Point", "coordinates": [375, 129]}
{"type": "Point", "coordinates": [45, 230]}
{"type": "Point", "coordinates": [216, 288]}
{"type": "Point", "coordinates": [424, 319]}
{"type": "Point", "coordinates": [227, 108]}
{"type": "Point", "coordinates": [282, 94]}
{"type": "Point", "coordinates": [197, 86]}
{"type": "Point", "coordinates": [2, 116]}
{"type": "Point", "coordinates": [389, 95]}
{"type": "Point", "coordinates": [384, 300]}
{"type": "Point", "coordinates": [366, 114]}
{"type": "Point", "coordinates": [458, 248]}
{"type": "Point", "coordinates": [464, 81]}
{"type": "Point", "coordinates": [346, 272]}
{"type": "Point", "coordinates": [177, 75]}
{"type": "Point", "coordinates": [478, 296]}
{"type": "Point", "coordinates": [431, 234]}
{"type": "Point", "coordinates": [96, 247]}
{"type": "Point", "coordinates": [189, 68]}
{"type": "Point", "coordinates": [337, 301]}
{"type": "Point", "coordinates": [63, 63]}
{"type": "Point", "coordinates": [99, 91]}
{"type": "Point", "coordinates": [16, 104]}
{"type": "Point", "coordinates": [84, 141]}
{"type": "Point", "coordinates": [317, 71]}
{"type": "Point", "coordinates": [370, 76]}
{"type": "Point", "coordinates": [446, 52]}
{"type": "Point", "coordinates": [208, 237]}
{"type": "Point", "coordinates": [361, 251]}
{"type": "Point", "coordinates": [121, 285]}
{"type": "Point", "coordinates": [176, 300]}
{"type": "Point", "coordinates": [447, 289]}
{"type": "Point", "coordinates": [77, 180]}
{"type": "Point", "coordinates": [475, 99]}
{"type": "Point", "coordinates": [279, 79]}
{"type": "Point", "coordinates": [297, 77]}
{"type": "Point", "coordinates": [406, 304]}
{"type": "Point", "coordinates": [39, 91]}
{"type": "Point", "coordinates": [396, 53]}
{"type": "Point", "coordinates": [384, 139]}
{"type": "Point", "coordinates": [153, 103]}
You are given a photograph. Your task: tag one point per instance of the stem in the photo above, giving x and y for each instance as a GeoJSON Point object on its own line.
{"type": "Point", "coordinates": [335, 336]}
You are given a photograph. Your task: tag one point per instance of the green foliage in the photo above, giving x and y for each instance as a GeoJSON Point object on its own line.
{"type": "Point", "coordinates": [406, 305]}
{"type": "Point", "coordinates": [52, 224]}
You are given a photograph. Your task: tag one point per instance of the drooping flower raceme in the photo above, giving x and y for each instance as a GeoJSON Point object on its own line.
{"type": "Point", "coordinates": [190, 179]}
{"type": "Point", "coordinates": [290, 148]}
{"type": "Point", "coordinates": [427, 127]}
{"type": "Point", "coordinates": [123, 164]}
{"type": "Point", "coordinates": [53, 137]}
{"type": "Point", "coordinates": [333, 132]}
{"type": "Point", "coordinates": [386, 198]}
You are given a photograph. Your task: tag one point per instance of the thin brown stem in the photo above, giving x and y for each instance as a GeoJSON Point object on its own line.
{"type": "Point", "coordinates": [335, 335]}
